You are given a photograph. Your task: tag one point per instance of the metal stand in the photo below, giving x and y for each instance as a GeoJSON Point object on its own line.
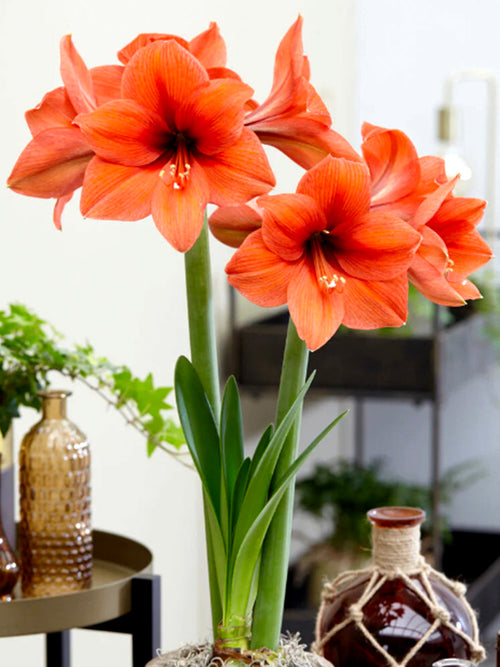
{"type": "Point", "coordinates": [142, 622]}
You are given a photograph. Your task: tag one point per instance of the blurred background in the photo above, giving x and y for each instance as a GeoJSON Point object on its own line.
{"type": "Point", "coordinates": [120, 286]}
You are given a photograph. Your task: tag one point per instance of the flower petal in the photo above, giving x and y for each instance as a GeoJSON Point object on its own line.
{"type": "Point", "coordinates": [371, 304]}
{"type": "Point", "coordinates": [258, 274]}
{"type": "Point", "coordinates": [59, 208]}
{"type": "Point", "coordinates": [213, 116]}
{"type": "Point", "coordinates": [116, 192]}
{"type": "Point", "coordinates": [125, 133]}
{"type": "Point", "coordinates": [376, 246]}
{"type": "Point", "coordinates": [142, 40]}
{"type": "Point", "coordinates": [107, 81]}
{"type": "Point", "coordinates": [161, 77]}
{"type": "Point", "coordinates": [393, 163]}
{"type": "Point", "coordinates": [304, 141]}
{"type": "Point", "coordinates": [55, 110]}
{"type": "Point", "coordinates": [432, 283]}
{"type": "Point", "coordinates": [52, 164]}
{"type": "Point", "coordinates": [178, 212]}
{"type": "Point", "coordinates": [289, 221]}
{"type": "Point", "coordinates": [232, 224]}
{"type": "Point", "coordinates": [209, 47]}
{"type": "Point", "coordinates": [239, 173]}
{"type": "Point", "coordinates": [316, 314]}
{"type": "Point", "coordinates": [76, 77]}
{"type": "Point", "coordinates": [340, 187]}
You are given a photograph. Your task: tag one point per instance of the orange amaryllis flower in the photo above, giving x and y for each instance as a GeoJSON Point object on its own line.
{"type": "Point", "coordinates": [451, 247]}
{"type": "Point", "coordinates": [174, 143]}
{"type": "Point", "coordinates": [53, 164]}
{"type": "Point", "coordinates": [232, 224]}
{"type": "Point", "coordinates": [209, 46]}
{"type": "Point", "coordinates": [400, 180]}
{"type": "Point", "coordinates": [294, 119]}
{"type": "Point", "coordinates": [324, 253]}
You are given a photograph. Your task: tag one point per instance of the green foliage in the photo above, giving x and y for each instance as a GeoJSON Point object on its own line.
{"type": "Point", "coordinates": [344, 492]}
{"type": "Point", "coordinates": [240, 503]}
{"type": "Point", "coordinates": [30, 349]}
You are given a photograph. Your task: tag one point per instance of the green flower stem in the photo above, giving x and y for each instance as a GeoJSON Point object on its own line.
{"type": "Point", "coordinates": [269, 606]}
{"type": "Point", "coordinates": [204, 359]}
{"type": "Point", "coordinates": [201, 317]}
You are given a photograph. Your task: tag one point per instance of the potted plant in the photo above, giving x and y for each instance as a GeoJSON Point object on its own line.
{"type": "Point", "coordinates": [170, 131]}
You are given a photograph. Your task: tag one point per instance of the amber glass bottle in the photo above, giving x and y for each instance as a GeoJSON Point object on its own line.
{"type": "Point", "coordinates": [55, 536]}
{"type": "Point", "coordinates": [399, 610]}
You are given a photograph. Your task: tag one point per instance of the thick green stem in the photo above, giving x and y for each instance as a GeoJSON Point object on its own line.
{"type": "Point", "coordinates": [269, 606]}
{"type": "Point", "coordinates": [201, 317]}
{"type": "Point", "coordinates": [204, 359]}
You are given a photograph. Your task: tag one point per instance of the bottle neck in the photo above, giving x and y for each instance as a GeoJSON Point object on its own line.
{"type": "Point", "coordinates": [54, 404]}
{"type": "Point", "coordinates": [396, 549]}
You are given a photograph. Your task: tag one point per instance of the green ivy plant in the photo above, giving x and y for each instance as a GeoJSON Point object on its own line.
{"type": "Point", "coordinates": [30, 349]}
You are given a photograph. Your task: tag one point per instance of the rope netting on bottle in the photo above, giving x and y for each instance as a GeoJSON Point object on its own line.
{"type": "Point", "coordinates": [415, 572]}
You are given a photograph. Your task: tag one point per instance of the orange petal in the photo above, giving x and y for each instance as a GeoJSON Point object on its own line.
{"type": "Point", "coordinates": [125, 133]}
{"type": "Point", "coordinates": [178, 212]}
{"type": "Point", "coordinates": [393, 163]}
{"type": "Point", "coordinates": [239, 173]}
{"type": "Point", "coordinates": [55, 110]}
{"type": "Point", "coordinates": [289, 221]}
{"type": "Point", "coordinates": [258, 274]}
{"type": "Point", "coordinates": [161, 77]}
{"type": "Point", "coordinates": [304, 141]}
{"type": "Point", "coordinates": [432, 202]}
{"type": "Point", "coordinates": [467, 290]}
{"type": "Point", "coordinates": [107, 81]}
{"type": "Point", "coordinates": [340, 187]}
{"type": "Point", "coordinates": [232, 224]}
{"type": "Point", "coordinates": [59, 208]}
{"type": "Point", "coordinates": [142, 40]}
{"type": "Point", "coordinates": [209, 47]}
{"type": "Point", "coordinates": [213, 118]}
{"type": "Point", "coordinates": [432, 283]}
{"type": "Point", "coordinates": [52, 164]}
{"type": "Point", "coordinates": [371, 304]}
{"type": "Point", "coordinates": [114, 192]}
{"type": "Point", "coordinates": [316, 314]}
{"type": "Point", "coordinates": [76, 77]}
{"type": "Point", "coordinates": [376, 246]}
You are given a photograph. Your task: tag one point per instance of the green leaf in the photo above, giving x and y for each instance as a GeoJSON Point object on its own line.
{"type": "Point", "coordinates": [249, 552]}
{"type": "Point", "coordinates": [200, 429]}
{"type": "Point", "coordinates": [231, 434]}
{"type": "Point", "coordinates": [260, 480]}
{"type": "Point", "coordinates": [239, 490]}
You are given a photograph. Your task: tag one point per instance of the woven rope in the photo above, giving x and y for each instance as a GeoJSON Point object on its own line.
{"type": "Point", "coordinates": [396, 554]}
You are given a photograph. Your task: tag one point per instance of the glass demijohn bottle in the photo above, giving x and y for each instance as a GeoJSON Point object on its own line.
{"type": "Point", "coordinates": [55, 537]}
{"type": "Point", "coordinates": [399, 611]}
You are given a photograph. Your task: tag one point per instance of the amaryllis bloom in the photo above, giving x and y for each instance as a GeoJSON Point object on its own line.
{"type": "Point", "coordinates": [174, 143]}
{"type": "Point", "coordinates": [53, 164]}
{"type": "Point", "coordinates": [451, 247]}
{"type": "Point", "coordinates": [325, 254]}
{"type": "Point", "coordinates": [232, 224]}
{"type": "Point", "coordinates": [400, 179]}
{"type": "Point", "coordinates": [293, 118]}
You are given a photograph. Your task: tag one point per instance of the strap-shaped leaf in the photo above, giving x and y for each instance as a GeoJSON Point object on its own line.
{"type": "Point", "coordinates": [260, 481]}
{"type": "Point", "coordinates": [249, 552]}
{"type": "Point", "coordinates": [198, 424]}
{"type": "Point", "coordinates": [218, 551]}
{"type": "Point", "coordinates": [261, 447]}
{"type": "Point", "coordinates": [231, 433]}
{"type": "Point", "coordinates": [239, 490]}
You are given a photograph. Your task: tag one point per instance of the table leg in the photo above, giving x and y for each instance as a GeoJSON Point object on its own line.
{"type": "Point", "coordinates": [57, 649]}
{"type": "Point", "coordinates": [146, 618]}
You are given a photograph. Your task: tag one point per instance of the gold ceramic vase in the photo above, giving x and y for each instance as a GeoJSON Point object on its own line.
{"type": "Point", "coordinates": [55, 538]}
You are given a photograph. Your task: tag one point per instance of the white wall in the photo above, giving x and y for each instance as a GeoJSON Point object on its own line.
{"type": "Point", "coordinates": [406, 52]}
{"type": "Point", "coordinates": [119, 285]}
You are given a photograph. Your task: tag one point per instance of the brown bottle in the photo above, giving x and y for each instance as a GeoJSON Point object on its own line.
{"type": "Point", "coordinates": [409, 615]}
{"type": "Point", "coordinates": [9, 567]}
{"type": "Point", "coordinates": [55, 536]}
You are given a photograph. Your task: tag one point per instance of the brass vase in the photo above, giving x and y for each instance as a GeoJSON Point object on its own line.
{"type": "Point", "coordinates": [55, 537]}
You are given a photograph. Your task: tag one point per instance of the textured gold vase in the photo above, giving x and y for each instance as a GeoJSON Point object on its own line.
{"type": "Point", "coordinates": [55, 539]}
